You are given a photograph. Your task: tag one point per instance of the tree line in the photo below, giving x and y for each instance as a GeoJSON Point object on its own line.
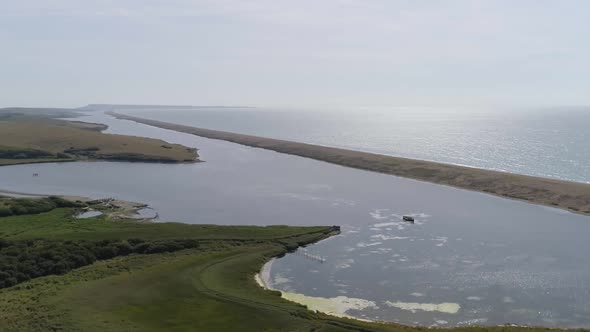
{"type": "Point", "coordinates": [20, 206]}
{"type": "Point", "coordinates": [23, 260]}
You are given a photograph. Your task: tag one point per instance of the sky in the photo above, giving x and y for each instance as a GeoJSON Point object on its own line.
{"type": "Point", "coordinates": [303, 53]}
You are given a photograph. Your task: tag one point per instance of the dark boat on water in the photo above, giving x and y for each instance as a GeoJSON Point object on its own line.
{"type": "Point", "coordinates": [408, 219]}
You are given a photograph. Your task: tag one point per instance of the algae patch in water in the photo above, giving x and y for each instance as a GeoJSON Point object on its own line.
{"type": "Point", "coordinates": [449, 308]}
{"type": "Point", "coordinates": [336, 306]}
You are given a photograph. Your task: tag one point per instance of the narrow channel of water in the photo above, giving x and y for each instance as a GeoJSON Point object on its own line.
{"type": "Point", "coordinates": [470, 258]}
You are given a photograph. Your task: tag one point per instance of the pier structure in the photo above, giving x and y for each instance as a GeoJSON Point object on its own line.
{"type": "Point", "coordinates": [307, 255]}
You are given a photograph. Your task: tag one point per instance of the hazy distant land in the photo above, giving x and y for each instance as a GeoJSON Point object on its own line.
{"type": "Point", "coordinates": [571, 196]}
{"type": "Point", "coordinates": [110, 107]}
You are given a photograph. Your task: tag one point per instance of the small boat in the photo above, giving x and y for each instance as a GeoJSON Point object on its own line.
{"type": "Point", "coordinates": [408, 219]}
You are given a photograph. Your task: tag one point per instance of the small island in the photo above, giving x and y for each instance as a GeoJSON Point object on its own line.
{"type": "Point", "coordinates": [35, 136]}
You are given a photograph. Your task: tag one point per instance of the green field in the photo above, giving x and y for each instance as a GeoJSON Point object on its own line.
{"type": "Point", "coordinates": [206, 288]}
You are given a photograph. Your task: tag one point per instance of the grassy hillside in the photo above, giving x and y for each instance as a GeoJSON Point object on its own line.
{"type": "Point", "coordinates": [207, 288]}
{"type": "Point", "coordinates": [27, 141]}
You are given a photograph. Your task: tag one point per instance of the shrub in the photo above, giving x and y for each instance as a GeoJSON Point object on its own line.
{"type": "Point", "coordinates": [27, 259]}
{"type": "Point", "coordinates": [22, 206]}
{"type": "Point", "coordinates": [124, 248]}
{"type": "Point", "coordinates": [5, 212]}
{"type": "Point", "coordinates": [62, 155]}
{"type": "Point", "coordinates": [64, 203]}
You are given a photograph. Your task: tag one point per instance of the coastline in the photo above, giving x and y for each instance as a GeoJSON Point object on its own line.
{"type": "Point", "coordinates": [337, 306]}
{"type": "Point", "coordinates": [571, 196]}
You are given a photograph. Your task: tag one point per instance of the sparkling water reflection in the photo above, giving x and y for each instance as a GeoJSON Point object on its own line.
{"type": "Point", "coordinates": [469, 258]}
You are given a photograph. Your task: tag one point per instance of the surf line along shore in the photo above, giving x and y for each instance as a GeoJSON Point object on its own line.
{"type": "Point", "coordinates": [571, 196]}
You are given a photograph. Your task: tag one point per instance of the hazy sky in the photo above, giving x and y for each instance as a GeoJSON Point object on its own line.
{"type": "Point", "coordinates": [295, 53]}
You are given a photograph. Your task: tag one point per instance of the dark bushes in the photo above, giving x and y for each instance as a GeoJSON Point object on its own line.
{"type": "Point", "coordinates": [20, 206]}
{"type": "Point", "coordinates": [64, 203]}
{"type": "Point", "coordinates": [62, 155]}
{"type": "Point", "coordinates": [28, 259]}
{"type": "Point", "coordinates": [5, 212]}
{"type": "Point", "coordinates": [30, 205]}
{"type": "Point", "coordinates": [15, 153]}
{"type": "Point", "coordinates": [88, 151]}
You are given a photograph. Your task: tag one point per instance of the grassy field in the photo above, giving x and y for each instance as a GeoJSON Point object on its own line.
{"type": "Point", "coordinates": [571, 196]}
{"type": "Point", "coordinates": [209, 288]}
{"type": "Point", "coordinates": [30, 137]}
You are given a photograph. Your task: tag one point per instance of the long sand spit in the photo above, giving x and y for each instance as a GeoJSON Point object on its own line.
{"type": "Point", "coordinates": [571, 196]}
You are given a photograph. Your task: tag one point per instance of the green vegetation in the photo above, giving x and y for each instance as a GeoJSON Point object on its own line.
{"type": "Point", "coordinates": [28, 259]}
{"type": "Point", "coordinates": [178, 277]}
{"type": "Point", "coordinates": [20, 206]}
{"type": "Point", "coordinates": [35, 135]}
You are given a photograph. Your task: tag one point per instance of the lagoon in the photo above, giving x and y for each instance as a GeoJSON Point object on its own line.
{"type": "Point", "coordinates": [494, 260]}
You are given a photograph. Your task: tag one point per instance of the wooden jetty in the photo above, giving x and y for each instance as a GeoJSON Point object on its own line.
{"type": "Point", "coordinates": [307, 255]}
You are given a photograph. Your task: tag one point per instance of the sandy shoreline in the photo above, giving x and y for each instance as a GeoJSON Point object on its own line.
{"type": "Point", "coordinates": [571, 196]}
{"type": "Point", "coordinates": [339, 306]}
{"type": "Point", "coordinates": [336, 306]}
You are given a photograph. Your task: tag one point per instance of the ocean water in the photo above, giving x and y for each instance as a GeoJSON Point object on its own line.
{"type": "Point", "coordinates": [551, 143]}
{"type": "Point", "coordinates": [470, 258]}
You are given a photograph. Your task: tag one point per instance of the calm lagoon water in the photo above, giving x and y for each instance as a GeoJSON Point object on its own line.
{"type": "Point", "coordinates": [470, 258]}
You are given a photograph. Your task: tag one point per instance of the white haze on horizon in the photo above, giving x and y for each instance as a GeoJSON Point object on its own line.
{"type": "Point", "coordinates": [341, 53]}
